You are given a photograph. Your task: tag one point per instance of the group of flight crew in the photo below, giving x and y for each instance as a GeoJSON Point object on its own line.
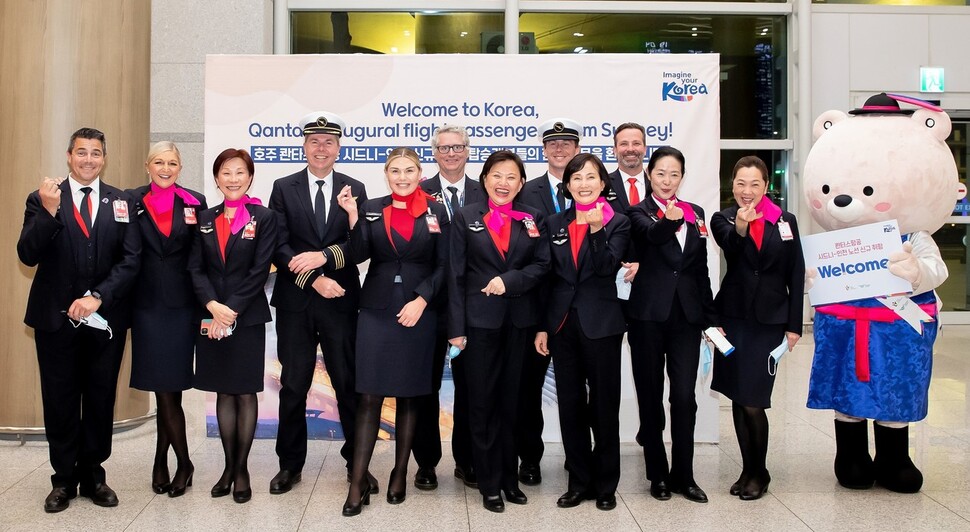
{"type": "Point", "coordinates": [497, 276]}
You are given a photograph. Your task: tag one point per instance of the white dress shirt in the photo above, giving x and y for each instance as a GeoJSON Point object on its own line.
{"type": "Point", "coordinates": [78, 196]}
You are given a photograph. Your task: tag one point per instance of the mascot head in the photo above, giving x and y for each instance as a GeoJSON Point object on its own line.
{"type": "Point", "coordinates": [881, 163]}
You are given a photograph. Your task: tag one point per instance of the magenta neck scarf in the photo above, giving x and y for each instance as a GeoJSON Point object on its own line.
{"type": "Point", "coordinates": [771, 211]}
{"type": "Point", "coordinates": [607, 210]}
{"type": "Point", "coordinates": [163, 199]}
{"type": "Point", "coordinates": [496, 220]}
{"type": "Point", "coordinates": [242, 214]}
{"type": "Point", "coordinates": [689, 215]}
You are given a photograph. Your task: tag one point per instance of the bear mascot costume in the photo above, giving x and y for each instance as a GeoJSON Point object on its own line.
{"type": "Point", "coordinates": [881, 163]}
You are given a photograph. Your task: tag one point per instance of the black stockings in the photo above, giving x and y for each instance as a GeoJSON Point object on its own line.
{"type": "Point", "coordinates": [368, 423]}
{"type": "Point", "coordinates": [236, 415]}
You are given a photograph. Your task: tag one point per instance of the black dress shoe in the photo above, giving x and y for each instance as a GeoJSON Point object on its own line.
{"type": "Point", "coordinates": [351, 509]}
{"type": "Point", "coordinates": [58, 500]}
{"type": "Point", "coordinates": [242, 496]}
{"type": "Point", "coordinates": [426, 479]}
{"type": "Point", "coordinates": [467, 475]}
{"type": "Point", "coordinates": [515, 496]}
{"type": "Point", "coordinates": [571, 499]}
{"type": "Point", "coordinates": [606, 502]}
{"type": "Point", "coordinates": [160, 481]}
{"type": "Point", "coordinates": [180, 482]}
{"type": "Point", "coordinates": [739, 485]}
{"type": "Point", "coordinates": [530, 474]}
{"type": "Point", "coordinates": [756, 487]}
{"type": "Point", "coordinates": [375, 488]}
{"type": "Point", "coordinates": [659, 490]}
{"type": "Point", "coordinates": [493, 503]}
{"type": "Point", "coordinates": [284, 481]}
{"type": "Point", "coordinates": [221, 490]}
{"type": "Point", "coordinates": [691, 493]}
{"type": "Point", "coordinates": [100, 494]}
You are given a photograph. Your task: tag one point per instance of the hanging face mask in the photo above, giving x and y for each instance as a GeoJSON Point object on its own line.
{"type": "Point", "coordinates": [774, 358]}
{"type": "Point", "coordinates": [707, 357]}
{"type": "Point", "coordinates": [453, 353]}
{"type": "Point", "coordinates": [95, 321]}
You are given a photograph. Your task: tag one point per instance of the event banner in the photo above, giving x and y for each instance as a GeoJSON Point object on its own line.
{"type": "Point", "coordinates": [387, 101]}
{"type": "Point", "coordinates": [853, 263]}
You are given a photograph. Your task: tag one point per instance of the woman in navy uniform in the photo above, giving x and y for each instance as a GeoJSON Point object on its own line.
{"type": "Point", "coordinates": [229, 265]}
{"type": "Point", "coordinates": [499, 254]}
{"type": "Point", "coordinates": [405, 237]}
{"type": "Point", "coordinates": [670, 304]}
{"type": "Point", "coordinates": [760, 304]}
{"type": "Point", "coordinates": [583, 328]}
{"type": "Point", "coordinates": [166, 316]}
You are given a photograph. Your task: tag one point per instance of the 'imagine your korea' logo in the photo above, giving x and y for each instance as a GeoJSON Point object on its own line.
{"type": "Point", "coordinates": [681, 87]}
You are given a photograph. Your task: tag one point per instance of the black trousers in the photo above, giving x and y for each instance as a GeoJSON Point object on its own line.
{"type": "Point", "coordinates": [675, 343]}
{"type": "Point", "coordinates": [427, 433]}
{"type": "Point", "coordinates": [582, 362]}
{"type": "Point", "coordinates": [298, 334]}
{"type": "Point", "coordinates": [78, 378]}
{"type": "Point", "coordinates": [493, 367]}
{"type": "Point", "coordinates": [528, 429]}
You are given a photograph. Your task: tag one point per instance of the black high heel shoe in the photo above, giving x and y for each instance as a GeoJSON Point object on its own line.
{"type": "Point", "coordinates": [756, 487]}
{"type": "Point", "coordinates": [160, 481]}
{"type": "Point", "coordinates": [177, 489]}
{"type": "Point", "coordinates": [241, 496]}
{"type": "Point", "coordinates": [396, 497]}
{"type": "Point", "coordinates": [351, 509]}
{"type": "Point", "coordinates": [223, 487]}
{"type": "Point", "coordinates": [739, 485]}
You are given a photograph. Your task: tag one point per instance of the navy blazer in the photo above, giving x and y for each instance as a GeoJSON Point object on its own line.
{"type": "Point", "coordinates": [238, 282]}
{"type": "Point", "coordinates": [420, 263]}
{"type": "Point", "coordinates": [54, 243]}
{"type": "Point", "coordinates": [767, 285]}
{"type": "Point", "coordinates": [473, 190]}
{"type": "Point", "coordinates": [538, 194]}
{"type": "Point", "coordinates": [589, 289]}
{"type": "Point", "coordinates": [474, 261]}
{"type": "Point", "coordinates": [164, 277]}
{"type": "Point", "coordinates": [297, 226]}
{"type": "Point", "coordinates": [667, 271]}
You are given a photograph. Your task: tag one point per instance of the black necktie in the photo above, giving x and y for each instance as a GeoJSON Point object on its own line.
{"type": "Point", "coordinates": [454, 201]}
{"type": "Point", "coordinates": [86, 208]}
{"type": "Point", "coordinates": [560, 198]}
{"type": "Point", "coordinates": [320, 210]}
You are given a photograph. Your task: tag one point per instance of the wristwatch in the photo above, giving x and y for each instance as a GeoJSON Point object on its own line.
{"type": "Point", "coordinates": [96, 295]}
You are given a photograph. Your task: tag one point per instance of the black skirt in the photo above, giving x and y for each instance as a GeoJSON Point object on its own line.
{"type": "Point", "coordinates": [394, 360]}
{"type": "Point", "coordinates": [162, 346]}
{"type": "Point", "coordinates": [743, 375]}
{"type": "Point", "coordinates": [233, 365]}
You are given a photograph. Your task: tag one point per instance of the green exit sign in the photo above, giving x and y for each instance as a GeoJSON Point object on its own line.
{"type": "Point", "coordinates": [930, 79]}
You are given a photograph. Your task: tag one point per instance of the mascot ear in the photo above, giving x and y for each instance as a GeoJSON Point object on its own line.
{"type": "Point", "coordinates": [825, 121]}
{"type": "Point", "coordinates": [937, 123]}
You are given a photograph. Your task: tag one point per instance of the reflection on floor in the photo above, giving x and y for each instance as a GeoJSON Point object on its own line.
{"type": "Point", "coordinates": [803, 493]}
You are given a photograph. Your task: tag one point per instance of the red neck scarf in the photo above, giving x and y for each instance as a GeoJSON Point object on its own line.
{"type": "Point", "coordinates": [242, 214]}
{"type": "Point", "coordinates": [415, 203]}
{"type": "Point", "coordinates": [689, 216]}
{"type": "Point", "coordinates": [607, 210]}
{"type": "Point", "coordinates": [163, 199]}
{"type": "Point", "coordinates": [500, 212]}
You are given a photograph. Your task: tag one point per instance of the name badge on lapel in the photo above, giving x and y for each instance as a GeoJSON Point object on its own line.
{"type": "Point", "coordinates": [561, 237]}
{"type": "Point", "coordinates": [784, 229]}
{"type": "Point", "coordinates": [702, 227]}
{"type": "Point", "coordinates": [611, 196]}
{"type": "Point", "coordinates": [439, 197]}
{"type": "Point", "coordinates": [372, 216]}
{"type": "Point", "coordinates": [249, 232]}
{"type": "Point", "coordinates": [206, 229]}
{"type": "Point", "coordinates": [476, 227]}
{"type": "Point", "coordinates": [432, 221]}
{"type": "Point", "coordinates": [189, 214]}
{"type": "Point", "coordinates": [530, 227]}
{"type": "Point", "coordinates": [120, 207]}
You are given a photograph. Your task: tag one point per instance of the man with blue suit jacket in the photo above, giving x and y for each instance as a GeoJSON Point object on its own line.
{"type": "Point", "coordinates": [315, 295]}
{"type": "Point", "coordinates": [77, 232]}
{"type": "Point", "coordinates": [452, 188]}
{"type": "Point", "coordinates": [560, 143]}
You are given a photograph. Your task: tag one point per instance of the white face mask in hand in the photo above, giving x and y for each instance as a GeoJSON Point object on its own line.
{"type": "Point", "coordinates": [95, 321]}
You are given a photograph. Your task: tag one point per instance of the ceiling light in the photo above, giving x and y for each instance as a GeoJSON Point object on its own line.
{"type": "Point", "coordinates": [578, 34]}
{"type": "Point", "coordinates": [693, 35]}
{"type": "Point", "coordinates": [407, 33]}
{"type": "Point", "coordinates": [464, 33]}
{"type": "Point", "coordinates": [394, 49]}
{"type": "Point", "coordinates": [577, 49]}
{"type": "Point", "coordinates": [694, 28]}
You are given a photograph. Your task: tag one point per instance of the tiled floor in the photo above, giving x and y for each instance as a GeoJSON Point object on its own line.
{"type": "Point", "coordinates": [803, 494]}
